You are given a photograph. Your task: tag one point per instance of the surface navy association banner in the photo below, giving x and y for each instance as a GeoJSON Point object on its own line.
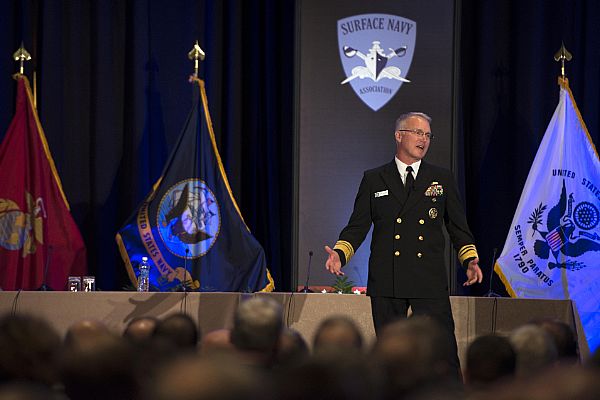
{"type": "Point", "coordinates": [553, 248]}
{"type": "Point", "coordinates": [190, 225]}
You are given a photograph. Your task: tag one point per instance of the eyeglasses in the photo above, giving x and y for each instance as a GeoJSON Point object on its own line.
{"type": "Point", "coordinates": [419, 133]}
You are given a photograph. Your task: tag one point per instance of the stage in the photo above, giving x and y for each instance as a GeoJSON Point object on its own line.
{"type": "Point", "coordinates": [474, 316]}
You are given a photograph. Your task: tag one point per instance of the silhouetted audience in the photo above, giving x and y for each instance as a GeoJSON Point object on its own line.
{"type": "Point", "coordinates": [261, 359]}
{"type": "Point", "coordinates": [339, 332]}
{"type": "Point", "coordinates": [490, 359]}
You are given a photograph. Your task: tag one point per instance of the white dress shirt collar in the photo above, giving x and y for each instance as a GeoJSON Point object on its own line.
{"type": "Point", "coordinates": [402, 169]}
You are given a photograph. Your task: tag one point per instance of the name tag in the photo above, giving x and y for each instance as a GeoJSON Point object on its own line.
{"type": "Point", "coordinates": [381, 194]}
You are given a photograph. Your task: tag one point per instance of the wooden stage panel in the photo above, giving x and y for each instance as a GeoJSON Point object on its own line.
{"type": "Point", "coordinates": [473, 316]}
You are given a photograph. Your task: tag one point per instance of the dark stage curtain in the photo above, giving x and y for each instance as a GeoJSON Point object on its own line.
{"type": "Point", "coordinates": [113, 96]}
{"type": "Point", "coordinates": [509, 92]}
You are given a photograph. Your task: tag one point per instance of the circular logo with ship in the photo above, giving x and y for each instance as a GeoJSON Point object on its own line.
{"type": "Point", "coordinates": [188, 219]}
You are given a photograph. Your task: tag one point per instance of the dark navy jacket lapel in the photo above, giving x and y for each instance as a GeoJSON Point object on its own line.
{"type": "Point", "coordinates": [391, 177]}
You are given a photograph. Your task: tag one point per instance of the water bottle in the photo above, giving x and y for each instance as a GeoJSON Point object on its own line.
{"type": "Point", "coordinates": [144, 276]}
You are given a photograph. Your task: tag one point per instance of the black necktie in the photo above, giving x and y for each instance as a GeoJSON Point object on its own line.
{"type": "Point", "coordinates": [410, 180]}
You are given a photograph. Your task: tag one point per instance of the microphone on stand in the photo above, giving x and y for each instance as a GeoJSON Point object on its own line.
{"type": "Point", "coordinates": [491, 293]}
{"type": "Point", "coordinates": [183, 282]}
{"type": "Point", "coordinates": [45, 287]}
{"type": "Point", "coordinates": [306, 289]}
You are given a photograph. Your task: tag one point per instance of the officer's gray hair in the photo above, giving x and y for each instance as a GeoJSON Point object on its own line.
{"type": "Point", "coordinates": [404, 117]}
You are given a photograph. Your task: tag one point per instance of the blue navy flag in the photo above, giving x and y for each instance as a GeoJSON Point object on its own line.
{"type": "Point", "coordinates": [190, 225]}
{"type": "Point", "coordinates": [552, 250]}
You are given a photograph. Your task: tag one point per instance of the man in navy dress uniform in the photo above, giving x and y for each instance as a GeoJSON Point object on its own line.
{"type": "Point", "coordinates": [408, 201]}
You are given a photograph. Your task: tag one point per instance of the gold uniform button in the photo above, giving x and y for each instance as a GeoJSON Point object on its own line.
{"type": "Point", "coordinates": [399, 220]}
{"type": "Point", "coordinates": [397, 253]}
{"type": "Point", "coordinates": [397, 237]}
{"type": "Point", "coordinates": [434, 199]}
{"type": "Point", "coordinates": [421, 238]}
{"type": "Point", "coordinates": [421, 221]}
{"type": "Point", "coordinates": [419, 255]}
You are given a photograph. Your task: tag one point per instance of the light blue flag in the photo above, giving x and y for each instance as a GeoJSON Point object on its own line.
{"type": "Point", "coordinates": [552, 250]}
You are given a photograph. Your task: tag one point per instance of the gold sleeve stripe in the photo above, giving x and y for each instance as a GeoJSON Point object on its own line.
{"type": "Point", "coordinates": [346, 248]}
{"type": "Point", "coordinates": [466, 248]}
{"type": "Point", "coordinates": [467, 252]}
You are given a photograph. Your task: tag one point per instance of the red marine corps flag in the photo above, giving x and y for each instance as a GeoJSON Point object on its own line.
{"type": "Point", "coordinates": [39, 241]}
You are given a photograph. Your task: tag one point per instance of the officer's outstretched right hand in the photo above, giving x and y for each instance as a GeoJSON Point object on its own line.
{"type": "Point", "coordinates": [333, 263]}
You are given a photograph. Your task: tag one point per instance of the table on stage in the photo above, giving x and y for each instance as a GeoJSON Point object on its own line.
{"type": "Point", "coordinates": [302, 311]}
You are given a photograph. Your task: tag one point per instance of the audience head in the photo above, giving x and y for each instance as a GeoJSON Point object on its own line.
{"type": "Point", "coordinates": [564, 382]}
{"type": "Point", "coordinates": [257, 326]}
{"type": "Point", "coordinates": [490, 358]}
{"type": "Point", "coordinates": [85, 332]}
{"type": "Point", "coordinates": [339, 332]}
{"type": "Point", "coordinates": [179, 331]}
{"type": "Point", "coordinates": [563, 337]}
{"type": "Point", "coordinates": [330, 374]}
{"type": "Point", "coordinates": [534, 348]}
{"type": "Point", "coordinates": [413, 354]}
{"type": "Point", "coordinates": [560, 383]}
{"type": "Point", "coordinates": [28, 350]}
{"type": "Point", "coordinates": [102, 368]}
{"type": "Point", "coordinates": [292, 348]}
{"type": "Point", "coordinates": [217, 341]}
{"type": "Point", "coordinates": [594, 360]}
{"type": "Point", "coordinates": [27, 391]}
{"type": "Point", "coordinates": [216, 377]}
{"type": "Point", "coordinates": [141, 329]}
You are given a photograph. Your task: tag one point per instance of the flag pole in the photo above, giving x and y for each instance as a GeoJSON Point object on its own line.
{"type": "Point", "coordinates": [196, 54]}
{"type": "Point", "coordinates": [561, 55]}
{"type": "Point", "coordinates": [21, 55]}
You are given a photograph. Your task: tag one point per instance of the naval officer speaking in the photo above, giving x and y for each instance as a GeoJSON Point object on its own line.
{"type": "Point", "coordinates": [408, 201]}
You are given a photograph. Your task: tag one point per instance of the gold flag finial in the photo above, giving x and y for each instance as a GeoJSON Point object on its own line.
{"type": "Point", "coordinates": [196, 54]}
{"type": "Point", "coordinates": [21, 55]}
{"type": "Point", "coordinates": [561, 55]}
